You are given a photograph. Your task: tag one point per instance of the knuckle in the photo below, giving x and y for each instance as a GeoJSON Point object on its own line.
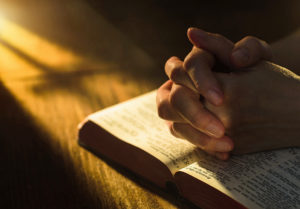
{"type": "Point", "coordinates": [173, 68]}
{"type": "Point", "coordinates": [198, 59]}
{"type": "Point", "coordinates": [161, 110]}
{"type": "Point", "coordinates": [175, 96]}
{"type": "Point", "coordinates": [193, 59]}
{"type": "Point", "coordinates": [170, 62]}
{"type": "Point", "coordinates": [171, 59]}
{"type": "Point", "coordinates": [175, 71]}
{"type": "Point", "coordinates": [162, 102]}
{"type": "Point", "coordinates": [188, 61]}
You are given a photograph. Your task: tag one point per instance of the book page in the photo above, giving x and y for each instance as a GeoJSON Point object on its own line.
{"type": "Point", "coordinates": [260, 180]}
{"type": "Point", "coordinates": [136, 122]}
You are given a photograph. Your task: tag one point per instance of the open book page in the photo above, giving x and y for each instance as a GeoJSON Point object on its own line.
{"type": "Point", "coordinates": [261, 180]}
{"type": "Point", "coordinates": [136, 122]}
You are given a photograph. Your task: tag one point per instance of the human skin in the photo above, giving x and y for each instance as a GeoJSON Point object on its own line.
{"type": "Point", "coordinates": [196, 70]}
{"type": "Point", "coordinates": [260, 110]}
{"type": "Point", "coordinates": [234, 121]}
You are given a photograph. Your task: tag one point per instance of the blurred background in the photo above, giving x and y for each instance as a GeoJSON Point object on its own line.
{"type": "Point", "coordinates": [100, 29]}
{"type": "Point", "coordinates": [61, 60]}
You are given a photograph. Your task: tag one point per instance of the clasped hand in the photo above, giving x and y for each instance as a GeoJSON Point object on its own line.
{"type": "Point", "coordinates": [242, 111]}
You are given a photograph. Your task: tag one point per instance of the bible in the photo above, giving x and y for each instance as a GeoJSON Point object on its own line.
{"type": "Point", "coordinates": [132, 134]}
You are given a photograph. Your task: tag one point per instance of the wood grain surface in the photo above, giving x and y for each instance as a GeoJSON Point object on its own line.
{"type": "Point", "coordinates": [62, 60]}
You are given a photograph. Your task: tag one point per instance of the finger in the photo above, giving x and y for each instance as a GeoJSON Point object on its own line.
{"type": "Point", "coordinates": [249, 51]}
{"type": "Point", "coordinates": [176, 73]}
{"type": "Point", "coordinates": [222, 155]}
{"type": "Point", "coordinates": [201, 140]}
{"type": "Point", "coordinates": [187, 104]}
{"type": "Point", "coordinates": [198, 64]}
{"type": "Point", "coordinates": [219, 155]}
{"type": "Point", "coordinates": [212, 42]}
{"type": "Point", "coordinates": [170, 126]}
{"type": "Point", "coordinates": [164, 109]}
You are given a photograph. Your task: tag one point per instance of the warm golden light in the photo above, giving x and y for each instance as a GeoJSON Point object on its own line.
{"type": "Point", "coordinates": [1, 22]}
{"type": "Point", "coordinates": [56, 86]}
{"type": "Point", "coordinates": [33, 46]}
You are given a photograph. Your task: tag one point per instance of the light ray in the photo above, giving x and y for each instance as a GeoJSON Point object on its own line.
{"type": "Point", "coordinates": [36, 47]}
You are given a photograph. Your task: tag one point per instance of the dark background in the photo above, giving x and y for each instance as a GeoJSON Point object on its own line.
{"type": "Point", "coordinates": [159, 26]}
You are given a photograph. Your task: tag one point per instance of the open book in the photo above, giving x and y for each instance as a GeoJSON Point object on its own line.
{"type": "Point", "coordinates": [131, 134]}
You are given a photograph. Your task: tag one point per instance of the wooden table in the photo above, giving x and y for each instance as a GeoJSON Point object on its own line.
{"type": "Point", "coordinates": [62, 60]}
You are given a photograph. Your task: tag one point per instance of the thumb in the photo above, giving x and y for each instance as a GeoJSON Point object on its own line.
{"type": "Point", "coordinates": [249, 51]}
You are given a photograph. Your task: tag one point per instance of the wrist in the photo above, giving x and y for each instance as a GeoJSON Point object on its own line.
{"type": "Point", "coordinates": [283, 100]}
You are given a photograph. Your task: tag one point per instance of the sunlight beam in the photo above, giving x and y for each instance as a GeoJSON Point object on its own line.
{"type": "Point", "coordinates": [35, 46]}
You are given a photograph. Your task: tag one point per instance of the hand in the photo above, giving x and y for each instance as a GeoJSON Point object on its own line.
{"type": "Point", "coordinates": [187, 122]}
{"type": "Point", "coordinates": [261, 107]}
{"type": "Point", "coordinates": [195, 126]}
{"type": "Point", "coordinates": [198, 63]}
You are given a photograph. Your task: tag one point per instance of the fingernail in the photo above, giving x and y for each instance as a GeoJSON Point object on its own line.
{"type": "Point", "coordinates": [215, 96]}
{"type": "Point", "coordinates": [214, 129]}
{"type": "Point", "coordinates": [223, 146]}
{"type": "Point", "coordinates": [241, 56]}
